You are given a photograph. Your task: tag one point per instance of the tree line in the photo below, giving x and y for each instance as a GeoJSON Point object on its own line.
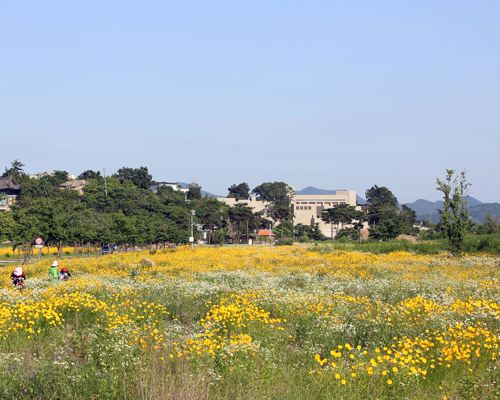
{"type": "Point", "coordinates": [122, 210]}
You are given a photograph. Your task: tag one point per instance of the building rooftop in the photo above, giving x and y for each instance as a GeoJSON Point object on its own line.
{"type": "Point", "coordinates": [7, 182]}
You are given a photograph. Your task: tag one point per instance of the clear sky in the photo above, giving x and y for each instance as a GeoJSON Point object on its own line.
{"type": "Point", "coordinates": [337, 95]}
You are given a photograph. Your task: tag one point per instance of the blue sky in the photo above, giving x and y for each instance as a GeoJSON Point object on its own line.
{"type": "Point", "coordinates": [337, 95]}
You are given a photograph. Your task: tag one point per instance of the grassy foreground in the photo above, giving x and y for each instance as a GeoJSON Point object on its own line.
{"type": "Point", "coordinates": [252, 323]}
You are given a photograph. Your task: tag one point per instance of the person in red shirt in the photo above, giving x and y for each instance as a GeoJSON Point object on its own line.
{"type": "Point", "coordinates": [64, 275]}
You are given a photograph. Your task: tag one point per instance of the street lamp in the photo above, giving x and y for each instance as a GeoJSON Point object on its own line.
{"type": "Point", "coordinates": [191, 239]}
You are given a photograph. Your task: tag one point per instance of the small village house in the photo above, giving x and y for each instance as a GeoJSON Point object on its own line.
{"type": "Point", "coordinates": [9, 192]}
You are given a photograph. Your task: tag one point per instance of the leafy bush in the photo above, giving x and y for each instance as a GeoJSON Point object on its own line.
{"type": "Point", "coordinates": [349, 233]}
{"type": "Point", "coordinates": [376, 247]}
{"type": "Point", "coordinates": [284, 242]}
{"type": "Point", "coordinates": [482, 244]}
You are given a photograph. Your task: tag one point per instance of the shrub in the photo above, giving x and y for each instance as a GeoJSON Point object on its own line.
{"type": "Point", "coordinates": [284, 242]}
{"type": "Point", "coordinates": [342, 239]}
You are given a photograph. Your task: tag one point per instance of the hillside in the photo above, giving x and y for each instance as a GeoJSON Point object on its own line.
{"type": "Point", "coordinates": [479, 213]}
{"type": "Point", "coordinates": [429, 211]}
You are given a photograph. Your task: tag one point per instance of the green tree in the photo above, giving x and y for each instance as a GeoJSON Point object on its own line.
{"type": "Point", "coordinates": [239, 192]}
{"type": "Point", "coordinates": [17, 172]}
{"type": "Point", "coordinates": [312, 232]}
{"type": "Point", "coordinates": [258, 221]}
{"type": "Point", "coordinates": [89, 174]}
{"type": "Point", "coordinates": [140, 177]}
{"type": "Point", "coordinates": [489, 227]}
{"type": "Point", "coordinates": [282, 214]}
{"type": "Point", "coordinates": [240, 216]}
{"type": "Point", "coordinates": [383, 204]}
{"type": "Point", "coordinates": [276, 193]}
{"type": "Point", "coordinates": [6, 225]}
{"type": "Point", "coordinates": [454, 213]}
{"type": "Point", "coordinates": [279, 195]}
{"type": "Point", "coordinates": [209, 214]}
{"type": "Point", "coordinates": [56, 179]}
{"type": "Point", "coordinates": [168, 195]}
{"type": "Point", "coordinates": [387, 229]}
{"type": "Point", "coordinates": [339, 214]}
{"type": "Point", "coordinates": [408, 217]}
{"type": "Point", "coordinates": [194, 192]}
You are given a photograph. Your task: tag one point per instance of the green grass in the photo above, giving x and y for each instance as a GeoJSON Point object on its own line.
{"type": "Point", "coordinates": [489, 244]}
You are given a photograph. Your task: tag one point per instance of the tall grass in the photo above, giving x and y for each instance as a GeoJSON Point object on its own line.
{"type": "Point", "coordinates": [434, 247]}
{"type": "Point", "coordinates": [489, 244]}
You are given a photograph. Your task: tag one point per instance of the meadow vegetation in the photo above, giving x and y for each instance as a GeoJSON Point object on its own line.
{"type": "Point", "coordinates": [486, 243]}
{"type": "Point", "coordinates": [283, 322]}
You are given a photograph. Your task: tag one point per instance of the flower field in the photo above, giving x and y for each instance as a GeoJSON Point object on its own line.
{"type": "Point", "coordinates": [254, 322]}
{"type": "Point", "coordinates": [45, 251]}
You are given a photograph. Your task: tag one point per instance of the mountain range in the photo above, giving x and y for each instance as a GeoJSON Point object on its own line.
{"type": "Point", "coordinates": [478, 210]}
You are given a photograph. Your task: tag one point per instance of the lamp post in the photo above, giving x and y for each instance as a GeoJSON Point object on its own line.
{"type": "Point", "coordinates": [191, 239]}
{"type": "Point", "coordinates": [270, 231]}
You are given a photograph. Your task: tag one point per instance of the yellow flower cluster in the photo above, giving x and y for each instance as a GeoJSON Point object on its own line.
{"type": "Point", "coordinates": [45, 251]}
{"type": "Point", "coordinates": [442, 313]}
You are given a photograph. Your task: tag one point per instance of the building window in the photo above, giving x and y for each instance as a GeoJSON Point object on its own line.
{"type": "Point", "coordinates": [309, 208]}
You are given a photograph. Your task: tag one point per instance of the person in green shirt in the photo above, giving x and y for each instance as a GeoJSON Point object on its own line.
{"type": "Point", "coordinates": [53, 277]}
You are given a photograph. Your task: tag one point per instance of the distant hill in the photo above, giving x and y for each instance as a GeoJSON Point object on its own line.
{"type": "Point", "coordinates": [478, 210]}
{"type": "Point", "coordinates": [426, 209]}
{"type": "Point", "coordinates": [479, 213]}
{"type": "Point", "coordinates": [313, 190]}
{"type": "Point", "coordinates": [203, 192]}
{"type": "Point", "coordinates": [474, 202]}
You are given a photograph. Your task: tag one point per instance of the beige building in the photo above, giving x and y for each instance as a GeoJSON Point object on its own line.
{"type": "Point", "coordinates": [306, 208]}
{"type": "Point", "coordinates": [75, 185]}
{"type": "Point", "coordinates": [42, 174]}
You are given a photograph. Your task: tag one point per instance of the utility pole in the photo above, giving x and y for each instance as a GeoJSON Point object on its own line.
{"type": "Point", "coordinates": [105, 187]}
{"type": "Point", "coordinates": [191, 239]}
